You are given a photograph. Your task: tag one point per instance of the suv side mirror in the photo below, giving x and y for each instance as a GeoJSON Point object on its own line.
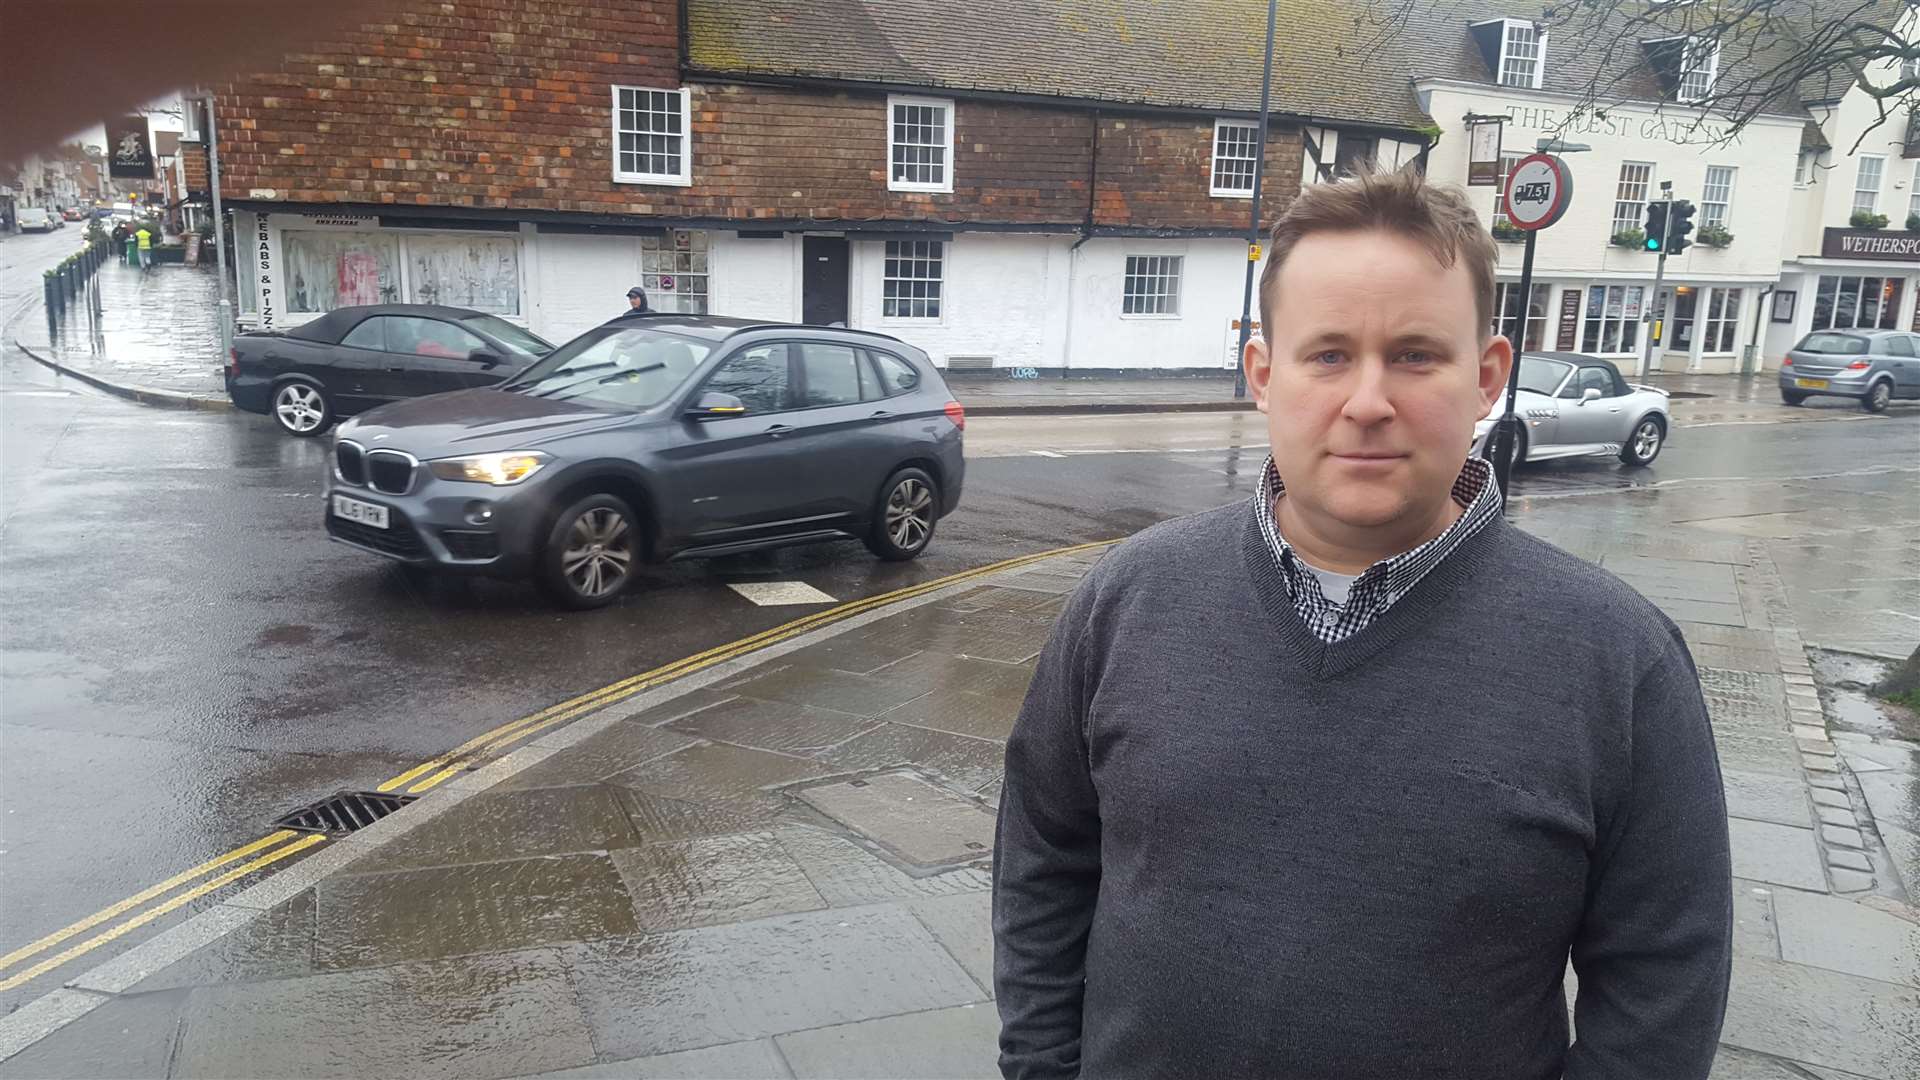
{"type": "Point", "coordinates": [1591, 393]}
{"type": "Point", "coordinates": [713, 405]}
{"type": "Point", "coordinates": [483, 358]}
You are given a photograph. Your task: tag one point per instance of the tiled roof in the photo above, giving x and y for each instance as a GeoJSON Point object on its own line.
{"type": "Point", "coordinates": [1334, 60]}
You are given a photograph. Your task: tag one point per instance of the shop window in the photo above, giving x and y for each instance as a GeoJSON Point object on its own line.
{"type": "Point", "coordinates": [1863, 303]}
{"type": "Point", "coordinates": [1612, 323]}
{"type": "Point", "coordinates": [674, 271]}
{"type": "Point", "coordinates": [328, 269]}
{"type": "Point", "coordinates": [1507, 318]}
{"type": "Point", "coordinates": [1722, 324]}
{"type": "Point", "coordinates": [478, 272]}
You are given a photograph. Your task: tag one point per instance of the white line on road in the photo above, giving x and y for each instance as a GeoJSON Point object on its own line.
{"type": "Point", "coordinates": [780, 593]}
{"type": "Point", "coordinates": [1046, 453]}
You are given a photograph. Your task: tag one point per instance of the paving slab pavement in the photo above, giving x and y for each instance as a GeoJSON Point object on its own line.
{"type": "Point", "coordinates": [784, 872]}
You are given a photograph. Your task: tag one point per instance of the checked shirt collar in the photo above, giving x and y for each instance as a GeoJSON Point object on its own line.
{"type": "Point", "coordinates": [1386, 581]}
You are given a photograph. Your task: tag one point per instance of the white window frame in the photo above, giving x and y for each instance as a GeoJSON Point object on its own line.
{"type": "Point", "coordinates": [945, 184]}
{"type": "Point", "coordinates": [1620, 199]}
{"type": "Point", "coordinates": [1507, 162]}
{"type": "Point", "coordinates": [1690, 66]}
{"type": "Point", "coordinates": [1726, 324]}
{"type": "Point", "coordinates": [1507, 27]}
{"type": "Point", "coordinates": [1913, 191]}
{"type": "Point", "coordinates": [1709, 215]}
{"type": "Point", "coordinates": [1167, 270]}
{"type": "Point", "coordinates": [1214, 159]}
{"type": "Point", "coordinates": [1802, 168]}
{"type": "Point", "coordinates": [683, 178]}
{"type": "Point", "coordinates": [1879, 182]}
{"type": "Point", "coordinates": [934, 252]}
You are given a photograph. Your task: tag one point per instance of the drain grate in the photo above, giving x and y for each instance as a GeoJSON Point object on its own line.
{"type": "Point", "coordinates": [348, 811]}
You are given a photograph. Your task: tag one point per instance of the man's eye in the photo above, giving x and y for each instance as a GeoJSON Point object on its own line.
{"type": "Point", "coordinates": [1326, 359]}
{"type": "Point", "coordinates": [1416, 356]}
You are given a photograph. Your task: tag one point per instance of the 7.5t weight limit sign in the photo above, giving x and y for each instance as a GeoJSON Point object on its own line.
{"type": "Point", "coordinates": [1539, 189]}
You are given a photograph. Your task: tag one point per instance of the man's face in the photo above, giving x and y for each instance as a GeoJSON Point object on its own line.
{"type": "Point", "coordinates": [634, 301]}
{"type": "Point", "coordinates": [1372, 375]}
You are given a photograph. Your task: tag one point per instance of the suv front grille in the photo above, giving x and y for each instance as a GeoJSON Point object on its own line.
{"type": "Point", "coordinates": [398, 538]}
{"type": "Point", "coordinates": [390, 471]}
{"type": "Point", "coordinates": [350, 462]}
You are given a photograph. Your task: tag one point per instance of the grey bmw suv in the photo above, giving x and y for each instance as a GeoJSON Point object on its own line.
{"type": "Point", "coordinates": [657, 438]}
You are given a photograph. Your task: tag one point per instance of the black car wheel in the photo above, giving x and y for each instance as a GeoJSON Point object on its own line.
{"type": "Point", "coordinates": [301, 408]}
{"type": "Point", "coordinates": [903, 521]}
{"type": "Point", "coordinates": [1877, 397]}
{"type": "Point", "coordinates": [1649, 435]}
{"type": "Point", "coordinates": [1792, 398]}
{"type": "Point", "coordinates": [592, 552]}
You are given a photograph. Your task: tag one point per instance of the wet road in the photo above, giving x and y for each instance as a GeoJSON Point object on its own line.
{"type": "Point", "coordinates": [186, 656]}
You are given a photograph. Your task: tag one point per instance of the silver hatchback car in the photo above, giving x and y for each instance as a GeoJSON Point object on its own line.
{"type": "Point", "coordinates": [1871, 366]}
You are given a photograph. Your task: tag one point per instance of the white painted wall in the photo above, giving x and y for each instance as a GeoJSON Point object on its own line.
{"type": "Point", "coordinates": [998, 298]}
{"type": "Point", "coordinates": [1199, 337]}
{"type": "Point", "coordinates": [582, 281]}
{"type": "Point", "coordinates": [755, 279]}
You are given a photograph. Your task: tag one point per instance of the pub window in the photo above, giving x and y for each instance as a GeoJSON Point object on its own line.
{"type": "Point", "coordinates": [650, 135]}
{"type": "Point", "coordinates": [1866, 183]}
{"type": "Point", "coordinates": [1500, 188]}
{"type": "Point", "coordinates": [1523, 54]}
{"type": "Point", "coordinates": [1612, 322]}
{"type": "Point", "coordinates": [1507, 315]}
{"type": "Point", "coordinates": [1716, 197]}
{"type": "Point", "coordinates": [1235, 150]}
{"type": "Point", "coordinates": [1856, 303]}
{"type": "Point", "coordinates": [1353, 155]}
{"type": "Point", "coordinates": [1723, 320]}
{"type": "Point", "coordinates": [1699, 69]}
{"type": "Point", "coordinates": [919, 144]}
{"type": "Point", "coordinates": [1630, 199]}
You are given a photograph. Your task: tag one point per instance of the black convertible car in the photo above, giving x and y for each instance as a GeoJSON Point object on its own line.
{"type": "Point", "coordinates": [350, 360]}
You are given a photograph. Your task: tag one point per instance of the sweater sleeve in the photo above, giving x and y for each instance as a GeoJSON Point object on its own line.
{"type": "Point", "coordinates": [1654, 950]}
{"type": "Point", "coordinates": [1047, 861]}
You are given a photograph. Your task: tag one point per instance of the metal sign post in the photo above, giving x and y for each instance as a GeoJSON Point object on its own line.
{"type": "Point", "coordinates": [1653, 324]}
{"type": "Point", "coordinates": [1539, 189]}
{"type": "Point", "coordinates": [1253, 226]}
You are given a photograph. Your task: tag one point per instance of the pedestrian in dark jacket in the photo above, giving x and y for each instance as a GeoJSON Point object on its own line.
{"type": "Point", "coordinates": [636, 304]}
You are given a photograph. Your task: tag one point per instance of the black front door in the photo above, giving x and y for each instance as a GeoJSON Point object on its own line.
{"type": "Point", "coordinates": [823, 284]}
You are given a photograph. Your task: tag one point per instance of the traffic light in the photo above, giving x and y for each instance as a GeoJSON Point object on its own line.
{"type": "Point", "coordinates": [1656, 224]}
{"type": "Point", "coordinates": [1679, 225]}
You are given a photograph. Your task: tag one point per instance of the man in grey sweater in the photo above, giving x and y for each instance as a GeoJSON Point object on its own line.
{"type": "Point", "coordinates": [1334, 782]}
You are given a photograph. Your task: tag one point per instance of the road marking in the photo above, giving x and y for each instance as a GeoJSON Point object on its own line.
{"type": "Point", "coordinates": [460, 757]}
{"type": "Point", "coordinates": [1046, 453]}
{"type": "Point", "coordinates": [142, 897]}
{"type": "Point", "coordinates": [780, 593]}
{"type": "Point", "coordinates": [153, 913]}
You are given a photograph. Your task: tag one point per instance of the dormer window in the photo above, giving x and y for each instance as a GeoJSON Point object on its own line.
{"type": "Point", "coordinates": [1688, 66]}
{"type": "Point", "coordinates": [1514, 49]}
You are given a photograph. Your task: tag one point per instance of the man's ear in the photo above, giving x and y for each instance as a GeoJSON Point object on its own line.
{"type": "Point", "coordinates": [1496, 362]}
{"type": "Point", "coordinates": [1259, 365]}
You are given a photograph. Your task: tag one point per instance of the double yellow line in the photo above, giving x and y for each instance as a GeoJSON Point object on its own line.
{"type": "Point", "coordinates": [427, 774]}
{"type": "Point", "coordinates": [286, 843]}
{"type": "Point", "coordinates": [272, 844]}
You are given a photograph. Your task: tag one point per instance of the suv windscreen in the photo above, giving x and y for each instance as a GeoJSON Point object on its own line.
{"type": "Point", "coordinates": [630, 368]}
{"type": "Point", "coordinates": [507, 334]}
{"type": "Point", "coordinates": [1832, 344]}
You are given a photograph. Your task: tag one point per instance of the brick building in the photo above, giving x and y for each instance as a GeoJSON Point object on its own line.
{"type": "Point", "coordinates": [1009, 184]}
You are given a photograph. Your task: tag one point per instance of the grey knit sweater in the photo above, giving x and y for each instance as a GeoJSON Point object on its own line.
{"type": "Point", "coordinates": [1229, 850]}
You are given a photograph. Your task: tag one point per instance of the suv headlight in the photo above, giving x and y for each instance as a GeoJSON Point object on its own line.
{"type": "Point", "coordinates": [500, 470]}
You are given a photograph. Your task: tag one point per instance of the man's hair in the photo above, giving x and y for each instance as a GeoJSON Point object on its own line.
{"type": "Point", "coordinates": [1402, 203]}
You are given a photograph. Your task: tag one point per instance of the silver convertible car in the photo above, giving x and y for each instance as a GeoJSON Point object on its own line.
{"type": "Point", "coordinates": [1579, 406]}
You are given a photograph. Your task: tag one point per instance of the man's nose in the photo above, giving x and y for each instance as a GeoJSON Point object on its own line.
{"type": "Point", "coordinates": [1368, 402]}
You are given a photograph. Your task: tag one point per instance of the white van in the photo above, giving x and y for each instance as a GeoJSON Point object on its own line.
{"type": "Point", "coordinates": [37, 219]}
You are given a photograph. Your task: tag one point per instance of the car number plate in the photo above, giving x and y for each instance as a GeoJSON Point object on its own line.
{"type": "Point", "coordinates": [1811, 384]}
{"type": "Point", "coordinates": [362, 512]}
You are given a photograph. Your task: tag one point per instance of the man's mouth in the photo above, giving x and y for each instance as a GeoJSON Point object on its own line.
{"type": "Point", "coordinates": [1367, 455]}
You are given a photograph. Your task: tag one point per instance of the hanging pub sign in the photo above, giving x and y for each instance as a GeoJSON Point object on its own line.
{"type": "Point", "coordinates": [129, 149]}
{"type": "Point", "coordinates": [1483, 151]}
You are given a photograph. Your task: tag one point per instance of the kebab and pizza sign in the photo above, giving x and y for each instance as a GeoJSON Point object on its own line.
{"type": "Point", "coordinates": [1539, 189]}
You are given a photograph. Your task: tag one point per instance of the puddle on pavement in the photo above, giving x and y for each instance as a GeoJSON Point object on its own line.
{"type": "Point", "coordinates": [1844, 679]}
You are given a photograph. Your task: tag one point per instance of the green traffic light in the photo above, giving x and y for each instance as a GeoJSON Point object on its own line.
{"type": "Point", "coordinates": [1653, 243]}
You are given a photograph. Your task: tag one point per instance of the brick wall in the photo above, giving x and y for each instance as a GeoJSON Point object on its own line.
{"type": "Point", "coordinates": [507, 104]}
{"type": "Point", "coordinates": [193, 161]}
